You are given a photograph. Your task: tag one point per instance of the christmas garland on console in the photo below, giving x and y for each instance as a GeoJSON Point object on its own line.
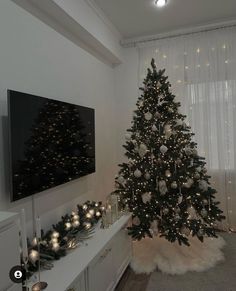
{"type": "Point", "coordinates": [67, 234]}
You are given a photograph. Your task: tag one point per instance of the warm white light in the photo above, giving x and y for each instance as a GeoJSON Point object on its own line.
{"type": "Point", "coordinates": [160, 3]}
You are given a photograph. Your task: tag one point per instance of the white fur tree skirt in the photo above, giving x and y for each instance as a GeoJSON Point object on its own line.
{"type": "Point", "coordinates": [171, 258]}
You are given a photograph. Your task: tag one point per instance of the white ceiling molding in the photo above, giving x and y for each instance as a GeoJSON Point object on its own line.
{"type": "Point", "coordinates": [53, 15]}
{"type": "Point", "coordinates": [104, 18]}
{"type": "Point", "coordinates": [132, 42]}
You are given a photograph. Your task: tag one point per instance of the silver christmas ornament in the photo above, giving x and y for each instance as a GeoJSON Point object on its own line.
{"type": "Point", "coordinates": [128, 136]}
{"type": "Point", "coordinates": [154, 128]}
{"type": "Point", "coordinates": [205, 202]}
{"type": "Point", "coordinates": [147, 176]}
{"type": "Point", "coordinates": [184, 230]}
{"type": "Point", "coordinates": [142, 150]}
{"type": "Point", "coordinates": [192, 212]}
{"type": "Point", "coordinates": [177, 210]}
{"type": "Point", "coordinates": [137, 173]}
{"type": "Point", "coordinates": [203, 186]}
{"type": "Point", "coordinates": [121, 179]}
{"type": "Point", "coordinates": [167, 131]}
{"type": "Point", "coordinates": [204, 212]}
{"type": "Point", "coordinates": [178, 161]}
{"type": "Point", "coordinates": [177, 217]}
{"type": "Point", "coordinates": [158, 114]}
{"type": "Point", "coordinates": [146, 197]}
{"type": "Point", "coordinates": [168, 173]}
{"type": "Point", "coordinates": [165, 211]}
{"type": "Point", "coordinates": [162, 187]}
{"type": "Point", "coordinates": [148, 116]}
{"type": "Point", "coordinates": [163, 149]}
{"type": "Point", "coordinates": [197, 176]}
{"type": "Point", "coordinates": [174, 185]}
{"type": "Point", "coordinates": [180, 199]}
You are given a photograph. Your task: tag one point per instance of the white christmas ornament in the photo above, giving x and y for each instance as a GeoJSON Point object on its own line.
{"type": "Point", "coordinates": [137, 173]}
{"type": "Point", "coordinates": [167, 131]}
{"type": "Point", "coordinates": [148, 116]}
{"type": "Point", "coordinates": [168, 173]}
{"type": "Point", "coordinates": [142, 150]}
{"type": "Point", "coordinates": [157, 114]}
{"type": "Point", "coordinates": [146, 197]}
{"type": "Point", "coordinates": [121, 179]}
{"type": "Point", "coordinates": [192, 212]}
{"type": "Point", "coordinates": [203, 186]}
{"type": "Point", "coordinates": [147, 176]}
{"type": "Point", "coordinates": [162, 187]}
{"type": "Point", "coordinates": [154, 128]}
{"type": "Point", "coordinates": [163, 149]}
{"type": "Point", "coordinates": [128, 136]}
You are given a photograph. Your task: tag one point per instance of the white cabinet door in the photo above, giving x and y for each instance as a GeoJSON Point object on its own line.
{"type": "Point", "coordinates": [79, 284]}
{"type": "Point", "coordinates": [122, 251]}
{"type": "Point", "coordinates": [9, 254]}
{"type": "Point", "coordinates": [101, 271]}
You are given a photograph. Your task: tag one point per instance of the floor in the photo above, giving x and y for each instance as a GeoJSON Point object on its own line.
{"type": "Point", "coordinates": [220, 278]}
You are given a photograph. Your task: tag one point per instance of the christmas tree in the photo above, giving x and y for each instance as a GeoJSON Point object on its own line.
{"type": "Point", "coordinates": [165, 183]}
{"type": "Point", "coordinates": [56, 152]}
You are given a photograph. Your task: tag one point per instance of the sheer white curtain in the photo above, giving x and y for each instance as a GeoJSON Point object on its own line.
{"type": "Point", "coordinates": [202, 70]}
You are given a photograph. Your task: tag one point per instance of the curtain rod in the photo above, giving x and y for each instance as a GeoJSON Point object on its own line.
{"type": "Point", "coordinates": [132, 42]}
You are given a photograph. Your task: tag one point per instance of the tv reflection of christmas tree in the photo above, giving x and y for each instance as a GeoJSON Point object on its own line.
{"type": "Point", "coordinates": [56, 152]}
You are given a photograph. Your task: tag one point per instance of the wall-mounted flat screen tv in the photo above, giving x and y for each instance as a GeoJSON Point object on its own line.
{"type": "Point", "coordinates": [51, 143]}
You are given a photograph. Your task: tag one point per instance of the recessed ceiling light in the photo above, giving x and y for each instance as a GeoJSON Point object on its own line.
{"type": "Point", "coordinates": [160, 3]}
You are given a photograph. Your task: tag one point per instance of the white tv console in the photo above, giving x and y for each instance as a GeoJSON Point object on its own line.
{"type": "Point", "coordinates": [97, 266]}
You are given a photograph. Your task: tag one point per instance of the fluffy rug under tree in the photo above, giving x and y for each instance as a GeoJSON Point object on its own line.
{"type": "Point", "coordinates": [171, 258]}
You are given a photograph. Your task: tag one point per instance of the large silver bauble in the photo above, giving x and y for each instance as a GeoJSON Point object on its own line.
{"type": "Point", "coordinates": [148, 116]}
{"type": "Point", "coordinates": [163, 149]}
{"type": "Point", "coordinates": [147, 176]}
{"type": "Point", "coordinates": [137, 173]}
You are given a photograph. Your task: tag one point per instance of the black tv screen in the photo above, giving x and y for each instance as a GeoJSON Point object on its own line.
{"type": "Point", "coordinates": [51, 143]}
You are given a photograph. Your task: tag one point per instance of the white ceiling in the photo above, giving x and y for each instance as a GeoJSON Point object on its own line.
{"type": "Point", "coordinates": [134, 18]}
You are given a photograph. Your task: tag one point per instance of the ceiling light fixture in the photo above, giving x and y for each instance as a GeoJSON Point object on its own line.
{"type": "Point", "coordinates": [160, 3]}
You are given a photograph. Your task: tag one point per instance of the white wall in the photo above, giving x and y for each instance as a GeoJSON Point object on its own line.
{"type": "Point", "coordinates": [36, 59]}
{"type": "Point", "coordinates": [127, 92]}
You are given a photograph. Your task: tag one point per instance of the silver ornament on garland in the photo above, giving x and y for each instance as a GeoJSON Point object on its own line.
{"type": "Point", "coordinates": [174, 185]}
{"type": "Point", "coordinates": [192, 212]}
{"type": "Point", "coordinates": [148, 116]}
{"type": "Point", "coordinates": [177, 217]}
{"type": "Point", "coordinates": [137, 173]}
{"type": "Point", "coordinates": [146, 197]}
{"type": "Point", "coordinates": [163, 149]}
{"type": "Point", "coordinates": [205, 202]}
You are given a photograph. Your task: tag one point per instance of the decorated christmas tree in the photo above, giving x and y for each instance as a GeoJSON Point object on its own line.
{"type": "Point", "coordinates": [164, 183]}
